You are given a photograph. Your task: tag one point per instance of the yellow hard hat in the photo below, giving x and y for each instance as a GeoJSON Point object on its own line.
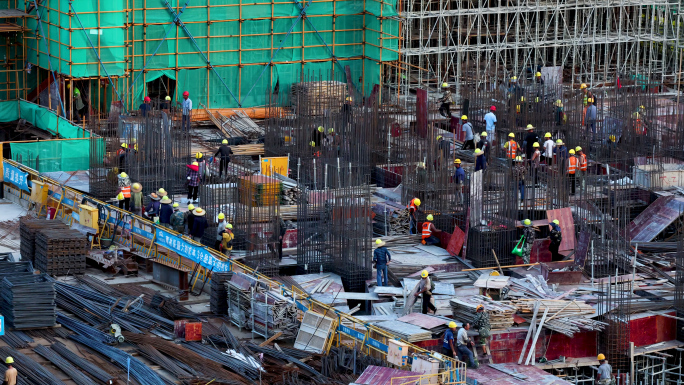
{"type": "Point", "coordinates": [530, 127]}
{"type": "Point", "coordinates": [642, 107]}
{"type": "Point", "coordinates": [559, 103]}
{"type": "Point", "coordinates": [321, 129]}
{"type": "Point", "coordinates": [199, 155]}
{"type": "Point", "coordinates": [120, 196]}
{"type": "Point", "coordinates": [522, 98]}
{"type": "Point", "coordinates": [494, 273]}
{"type": "Point", "coordinates": [191, 207]}
{"type": "Point", "coordinates": [430, 217]}
{"type": "Point", "coordinates": [556, 222]}
{"type": "Point", "coordinates": [612, 138]}
{"type": "Point", "coordinates": [457, 161]}
{"type": "Point", "coordinates": [478, 307]}
{"type": "Point", "coordinates": [572, 152]}
{"type": "Point", "coordinates": [558, 141]}
{"type": "Point", "coordinates": [536, 144]}
{"type": "Point", "coordinates": [416, 201]}
{"type": "Point", "coordinates": [439, 137]}
{"type": "Point", "coordinates": [175, 205]}
{"type": "Point", "coordinates": [590, 100]}
{"type": "Point", "coordinates": [518, 158]}
{"type": "Point", "coordinates": [123, 175]}
{"type": "Point", "coordinates": [424, 273]}
{"type": "Point", "coordinates": [195, 164]}
{"type": "Point", "coordinates": [538, 73]}
{"type": "Point", "coordinates": [331, 130]}
{"type": "Point", "coordinates": [221, 216]}
{"type": "Point", "coordinates": [136, 186]}
{"type": "Point", "coordinates": [511, 135]}
{"type": "Point", "coordinates": [312, 143]}
{"type": "Point", "coordinates": [527, 222]}
{"type": "Point", "coordinates": [349, 98]}
{"type": "Point", "coordinates": [601, 357]}
{"type": "Point", "coordinates": [167, 98]}
{"type": "Point", "coordinates": [478, 151]}
{"type": "Point", "coordinates": [161, 192]}
{"type": "Point", "coordinates": [464, 117]}
{"type": "Point", "coordinates": [9, 360]}
{"type": "Point", "coordinates": [445, 85]}
{"type": "Point", "coordinates": [378, 241]}
{"type": "Point", "coordinates": [452, 325]}
{"type": "Point", "coordinates": [514, 78]}
{"type": "Point", "coordinates": [124, 145]}
{"type": "Point", "coordinates": [224, 141]}
{"type": "Point", "coordinates": [229, 226]}
{"type": "Point", "coordinates": [547, 135]}
{"type": "Point", "coordinates": [484, 133]}
{"type": "Point", "coordinates": [583, 86]}
{"type": "Point", "coordinates": [578, 148]}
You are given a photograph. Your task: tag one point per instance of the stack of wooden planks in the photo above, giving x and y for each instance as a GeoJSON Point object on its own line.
{"type": "Point", "coordinates": [500, 312]}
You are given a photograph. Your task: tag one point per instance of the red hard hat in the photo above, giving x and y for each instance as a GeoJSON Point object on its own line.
{"type": "Point", "coordinates": [147, 98]}
{"type": "Point", "coordinates": [186, 93]}
{"type": "Point", "coordinates": [492, 108]}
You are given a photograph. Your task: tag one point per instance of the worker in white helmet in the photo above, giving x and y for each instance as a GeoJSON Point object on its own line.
{"type": "Point", "coordinates": [446, 100]}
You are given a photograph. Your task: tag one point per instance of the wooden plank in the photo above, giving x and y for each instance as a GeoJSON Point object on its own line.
{"type": "Point", "coordinates": [536, 336]}
{"type": "Point", "coordinates": [567, 225]}
{"type": "Point", "coordinates": [533, 324]}
{"type": "Point", "coordinates": [273, 338]}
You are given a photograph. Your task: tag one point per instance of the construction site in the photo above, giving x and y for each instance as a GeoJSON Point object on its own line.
{"type": "Point", "coordinates": [341, 192]}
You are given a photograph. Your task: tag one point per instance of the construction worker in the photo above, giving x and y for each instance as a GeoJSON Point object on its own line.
{"type": "Point", "coordinates": [317, 136]}
{"type": "Point", "coordinates": [448, 344]}
{"type": "Point", "coordinates": [136, 199]}
{"type": "Point", "coordinates": [123, 193]}
{"type": "Point", "coordinates": [520, 108]}
{"type": "Point", "coordinates": [480, 160]}
{"type": "Point", "coordinates": [490, 124]}
{"type": "Point", "coordinates": [199, 224]}
{"type": "Point", "coordinates": [538, 79]}
{"type": "Point", "coordinates": [427, 236]}
{"type": "Point", "coordinates": [145, 106]}
{"type": "Point", "coordinates": [122, 156]}
{"type": "Point", "coordinates": [519, 172]}
{"type": "Point", "coordinates": [79, 107]}
{"type": "Point", "coordinates": [278, 237]}
{"type": "Point", "coordinates": [586, 95]}
{"type": "Point", "coordinates": [549, 144]}
{"type": "Point", "coordinates": [528, 142]}
{"type": "Point", "coordinates": [224, 152]}
{"type": "Point", "coordinates": [572, 167]}
{"type": "Point", "coordinates": [315, 151]}
{"type": "Point", "coordinates": [10, 373]}
{"type": "Point", "coordinates": [187, 111]}
{"type": "Point", "coordinates": [535, 161]}
{"type": "Point", "coordinates": [459, 179]}
{"type": "Point", "coordinates": [590, 116]}
{"type": "Point", "coordinates": [558, 113]}
{"type": "Point", "coordinates": [220, 228]}
{"type": "Point", "coordinates": [347, 113]}
{"type": "Point", "coordinates": [482, 324]}
{"type": "Point", "coordinates": [556, 238]}
{"type": "Point", "coordinates": [467, 128]}
{"type": "Point", "coordinates": [165, 212]}
{"type": "Point", "coordinates": [227, 238]}
{"type": "Point", "coordinates": [639, 127]}
{"type": "Point", "coordinates": [152, 208]}
{"type": "Point", "coordinates": [425, 290]}
{"type": "Point", "coordinates": [463, 342]}
{"type": "Point", "coordinates": [177, 219]}
{"type": "Point", "coordinates": [381, 258]}
{"type": "Point", "coordinates": [188, 218]}
{"type": "Point", "coordinates": [446, 100]}
{"type": "Point", "coordinates": [605, 371]}
{"type": "Point", "coordinates": [529, 236]}
{"type": "Point", "coordinates": [514, 89]}
{"type": "Point", "coordinates": [561, 154]}
{"type": "Point", "coordinates": [483, 144]}
{"type": "Point", "coordinates": [583, 165]}
{"type": "Point", "coordinates": [194, 179]}
{"type": "Point", "coordinates": [412, 207]}
{"type": "Point", "coordinates": [511, 147]}
{"type": "Point", "coordinates": [166, 105]}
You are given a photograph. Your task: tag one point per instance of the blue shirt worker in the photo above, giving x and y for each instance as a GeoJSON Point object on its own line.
{"type": "Point", "coordinates": [187, 111]}
{"type": "Point", "coordinates": [490, 120]}
{"type": "Point", "coordinates": [459, 179]}
{"type": "Point", "coordinates": [381, 257]}
{"type": "Point", "coordinates": [448, 345]}
{"type": "Point", "coordinates": [469, 140]}
{"type": "Point", "coordinates": [480, 160]}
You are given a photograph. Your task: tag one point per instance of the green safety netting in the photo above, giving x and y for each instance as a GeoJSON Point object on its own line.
{"type": "Point", "coordinates": [40, 117]}
{"type": "Point", "coordinates": [53, 155]}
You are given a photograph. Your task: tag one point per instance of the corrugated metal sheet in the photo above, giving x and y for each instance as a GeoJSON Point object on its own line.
{"type": "Point", "coordinates": [376, 375]}
{"type": "Point", "coordinates": [567, 225]}
{"type": "Point", "coordinates": [657, 216]}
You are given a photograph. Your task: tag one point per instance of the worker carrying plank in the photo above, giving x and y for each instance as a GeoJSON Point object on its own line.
{"type": "Point", "coordinates": [10, 373]}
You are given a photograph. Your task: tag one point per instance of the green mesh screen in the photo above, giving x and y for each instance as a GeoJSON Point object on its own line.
{"type": "Point", "coordinates": [55, 155]}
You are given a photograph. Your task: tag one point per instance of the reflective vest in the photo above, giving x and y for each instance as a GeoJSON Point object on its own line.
{"type": "Point", "coordinates": [126, 191]}
{"type": "Point", "coordinates": [585, 99]}
{"type": "Point", "coordinates": [639, 127]}
{"type": "Point", "coordinates": [583, 162]}
{"type": "Point", "coordinates": [412, 205]}
{"type": "Point", "coordinates": [512, 149]}
{"type": "Point", "coordinates": [517, 108]}
{"type": "Point", "coordinates": [426, 230]}
{"type": "Point", "coordinates": [572, 165]}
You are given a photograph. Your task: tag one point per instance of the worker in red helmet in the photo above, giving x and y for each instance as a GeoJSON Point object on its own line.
{"type": "Point", "coordinates": [187, 111]}
{"type": "Point", "coordinates": [145, 106]}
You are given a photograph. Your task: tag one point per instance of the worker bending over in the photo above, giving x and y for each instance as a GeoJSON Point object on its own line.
{"type": "Point", "coordinates": [463, 342]}
{"type": "Point", "coordinates": [482, 324]}
{"type": "Point", "coordinates": [413, 209]}
{"type": "Point", "coordinates": [428, 230]}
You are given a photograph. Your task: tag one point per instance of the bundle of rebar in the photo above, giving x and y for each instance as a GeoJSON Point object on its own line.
{"type": "Point", "coordinates": [61, 251]}
{"type": "Point", "coordinates": [218, 301]}
{"type": "Point", "coordinates": [32, 373]}
{"type": "Point", "coordinates": [86, 366]}
{"type": "Point", "coordinates": [500, 312]}
{"type": "Point", "coordinates": [85, 330]}
{"type": "Point", "coordinates": [76, 375]}
{"type": "Point", "coordinates": [28, 301]}
{"type": "Point", "coordinates": [28, 227]}
{"type": "Point", "coordinates": [171, 308]}
{"type": "Point", "coordinates": [16, 339]}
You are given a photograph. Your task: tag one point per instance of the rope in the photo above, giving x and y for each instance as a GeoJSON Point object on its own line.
{"type": "Point", "coordinates": [160, 44]}
{"type": "Point", "coordinates": [47, 49]}
{"type": "Point", "coordinates": [94, 50]}
{"type": "Point", "coordinates": [192, 38]}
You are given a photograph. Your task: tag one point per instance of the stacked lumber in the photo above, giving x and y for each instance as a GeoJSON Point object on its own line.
{"type": "Point", "coordinates": [274, 314]}
{"type": "Point", "coordinates": [500, 312]}
{"type": "Point", "coordinates": [314, 98]}
{"type": "Point", "coordinates": [530, 287]}
{"type": "Point", "coordinates": [291, 196]}
{"type": "Point", "coordinates": [558, 308]}
{"type": "Point", "coordinates": [565, 317]}
{"type": "Point", "coordinates": [248, 149]}
{"type": "Point", "coordinates": [390, 219]}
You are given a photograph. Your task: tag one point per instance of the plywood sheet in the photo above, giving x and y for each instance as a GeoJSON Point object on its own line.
{"type": "Point", "coordinates": [657, 216]}
{"type": "Point", "coordinates": [423, 320]}
{"type": "Point", "coordinates": [456, 242]}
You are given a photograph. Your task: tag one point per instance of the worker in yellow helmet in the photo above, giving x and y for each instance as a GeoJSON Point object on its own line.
{"type": "Point", "coordinates": [484, 144]}
{"type": "Point", "coordinates": [317, 136]}
{"type": "Point", "coordinates": [227, 239]}
{"type": "Point", "coordinates": [124, 191]}
{"type": "Point", "coordinates": [412, 208]}
{"type": "Point", "coordinates": [188, 218]}
{"type": "Point", "coordinates": [556, 238]}
{"type": "Point", "coordinates": [446, 100]}
{"type": "Point", "coordinates": [177, 219]}
{"type": "Point", "coordinates": [449, 343]}
{"type": "Point", "coordinates": [590, 116]}
{"type": "Point", "coordinates": [166, 104]}
{"type": "Point", "coordinates": [224, 152]}
{"type": "Point", "coordinates": [559, 113]}
{"type": "Point", "coordinates": [538, 79]}
{"type": "Point", "coordinates": [519, 171]}
{"type": "Point", "coordinates": [468, 132]}
{"type": "Point", "coordinates": [528, 240]}
{"type": "Point", "coordinates": [483, 325]}
{"type": "Point", "coordinates": [220, 228]}
{"type": "Point", "coordinates": [586, 95]}
{"type": "Point", "coordinates": [11, 373]}
{"type": "Point", "coordinates": [425, 287]}
{"type": "Point", "coordinates": [427, 234]}
{"type": "Point", "coordinates": [381, 258]}
{"type": "Point", "coordinates": [605, 371]}
{"type": "Point", "coordinates": [459, 180]}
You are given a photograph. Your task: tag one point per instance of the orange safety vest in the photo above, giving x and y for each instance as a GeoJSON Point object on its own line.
{"type": "Point", "coordinates": [512, 149]}
{"type": "Point", "coordinates": [572, 164]}
{"type": "Point", "coordinates": [639, 126]}
{"type": "Point", "coordinates": [126, 191]}
{"type": "Point", "coordinates": [426, 230]}
{"type": "Point", "coordinates": [583, 162]}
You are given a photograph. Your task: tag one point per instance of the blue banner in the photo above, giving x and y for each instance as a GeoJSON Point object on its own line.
{"type": "Point", "coordinates": [377, 344]}
{"type": "Point", "coordinates": [15, 176]}
{"type": "Point", "coordinates": [351, 332]}
{"type": "Point", "coordinates": [57, 197]}
{"type": "Point", "coordinates": [189, 251]}
{"type": "Point", "coordinates": [143, 233]}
